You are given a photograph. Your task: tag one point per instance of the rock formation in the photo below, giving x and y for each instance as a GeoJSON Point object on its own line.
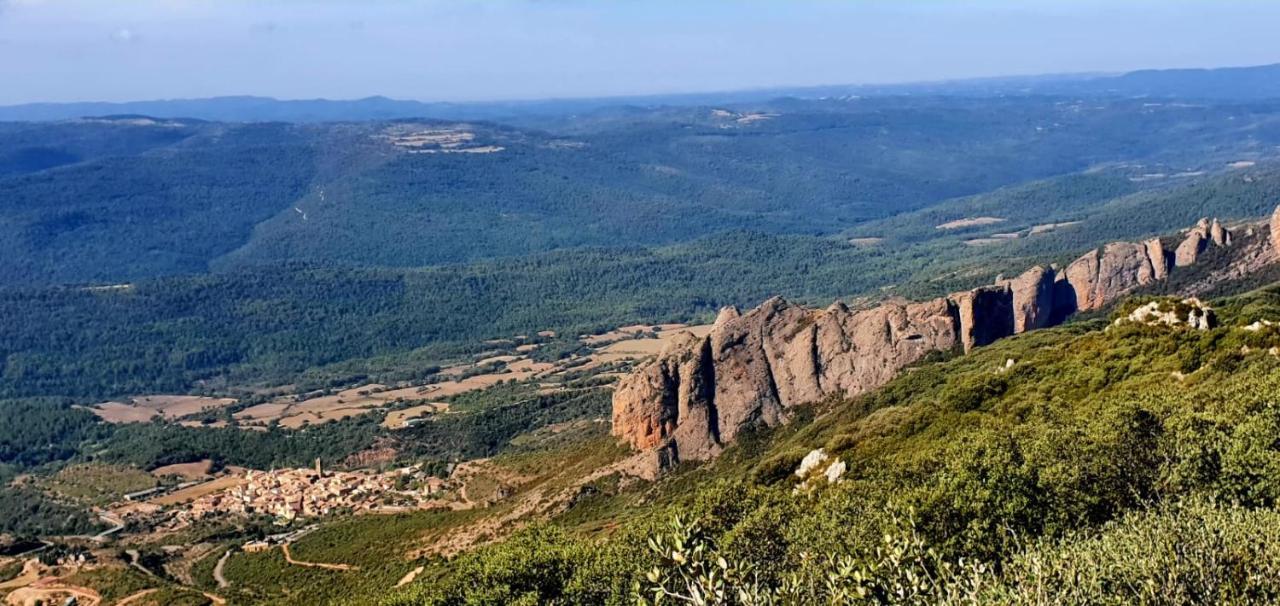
{"type": "Point", "coordinates": [701, 393]}
{"type": "Point", "coordinates": [1033, 296]}
{"type": "Point", "coordinates": [1275, 231]}
{"type": "Point", "coordinates": [753, 367]}
{"type": "Point", "coordinates": [1188, 312]}
{"type": "Point", "coordinates": [1197, 239]}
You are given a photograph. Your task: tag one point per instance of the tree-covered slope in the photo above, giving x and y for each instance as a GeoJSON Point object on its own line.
{"type": "Point", "coordinates": [1073, 475]}
{"type": "Point", "coordinates": [114, 200]}
{"type": "Point", "coordinates": [170, 208]}
{"type": "Point", "coordinates": [267, 323]}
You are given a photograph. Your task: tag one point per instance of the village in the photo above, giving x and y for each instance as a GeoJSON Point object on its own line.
{"type": "Point", "coordinates": [290, 494]}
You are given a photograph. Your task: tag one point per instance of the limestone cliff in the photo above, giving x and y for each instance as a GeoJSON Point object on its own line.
{"type": "Point", "coordinates": [754, 367]}
{"type": "Point", "coordinates": [1275, 231]}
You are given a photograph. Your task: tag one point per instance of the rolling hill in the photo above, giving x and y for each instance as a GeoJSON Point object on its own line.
{"type": "Point", "coordinates": [113, 200]}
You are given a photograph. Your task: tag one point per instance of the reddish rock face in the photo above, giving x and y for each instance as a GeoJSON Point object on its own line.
{"type": "Point", "coordinates": [1123, 267]}
{"type": "Point", "coordinates": [1033, 293]}
{"type": "Point", "coordinates": [1081, 276]}
{"type": "Point", "coordinates": [1197, 239]}
{"type": "Point", "coordinates": [1275, 231]}
{"type": "Point", "coordinates": [1156, 256]}
{"type": "Point", "coordinates": [702, 392]}
{"type": "Point", "coordinates": [753, 367]}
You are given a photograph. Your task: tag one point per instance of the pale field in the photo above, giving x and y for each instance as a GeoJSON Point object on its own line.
{"type": "Point", "coordinates": [865, 241]}
{"type": "Point", "coordinates": [634, 349]}
{"type": "Point", "coordinates": [970, 222]}
{"type": "Point", "coordinates": [197, 424]}
{"type": "Point", "coordinates": [303, 419]}
{"type": "Point", "coordinates": [1048, 227]}
{"type": "Point", "coordinates": [497, 360]}
{"type": "Point", "coordinates": [349, 402]}
{"type": "Point", "coordinates": [262, 412]}
{"type": "Point", "coordinates": [626, 332]}
{"type": "Point", "coordinates": [141, 409]}
{"type": "Point", "coordinates": [54, 592]}
{"type": "Point", "coordinates": [529, 366]}
{"type": "Point", "coordinates": [616, 345]}
{"type": "Point", "coordinates": [749, 118]}
{"type": "Point", "coordinates": [199, 490]}
{"type": "Point", "coordinates": [396, 418]}
{"type": "Point", "coordinates": [190, 471]}
{"type": "Point", "coordinates": [360, 400]}
{"type": "Point", "coordinates": [984, 241]}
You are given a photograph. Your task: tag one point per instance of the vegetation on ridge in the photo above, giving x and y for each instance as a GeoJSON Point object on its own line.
{"type": "Point", "coordinates": [1052, 474]}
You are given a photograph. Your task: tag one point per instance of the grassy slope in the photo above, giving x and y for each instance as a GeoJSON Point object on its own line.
{"type": "Point", "coordinates": [1088, 427]}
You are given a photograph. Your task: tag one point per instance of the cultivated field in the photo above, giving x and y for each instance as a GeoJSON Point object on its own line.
{"type": "Point", "coordinates": [143, 408]}
{"type": "Point", "coordinates": [194, 492]}
{"type": "Point", "coordinates": [189, 471]}
{"type": "Point", "coordinates": [397, 418]}
{"type": "Point", "coordinates": [970, 222]}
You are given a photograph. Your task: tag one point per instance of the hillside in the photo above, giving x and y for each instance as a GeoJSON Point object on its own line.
{"type": "Point", "coordinates": [267, 324]}
{"type": "Point", "coordinates": [961, 458]}
{"type": "Point", "coordinates": [958, 457]}
{"type": "Point", "coordinates": [1009, 341]}
{"type": "Point", "coordinates": [107, 201]}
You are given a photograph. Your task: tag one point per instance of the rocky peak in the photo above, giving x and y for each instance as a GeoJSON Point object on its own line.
{"type": "Point", "coordinates": [1275, 231]}
{"type": "Point", "coordinates": [1198, 238]}
{"type": "Point", "coordinates": [754, 367]}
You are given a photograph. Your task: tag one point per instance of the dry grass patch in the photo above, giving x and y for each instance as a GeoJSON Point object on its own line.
{"type": "Point", "coordinates": [396, 419]}
{"type": "Point", "coordinates": [1048, 227]}
{"type": "Point", "coordinates": [192, 493]}
{"type": "Point", "coordinates": [970, 222]}
{"type": "Point", "coordinates": [143, 409]}
{"type": "Point", "coordinates": [190, 471]}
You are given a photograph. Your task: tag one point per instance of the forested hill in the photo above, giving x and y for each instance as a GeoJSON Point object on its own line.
{"type": "Point", "coordinates": [272, 323]}
{"type": "Point", "coordinates": [1251, 83]}
{"type": "Point", "coordinates": [123, 198]}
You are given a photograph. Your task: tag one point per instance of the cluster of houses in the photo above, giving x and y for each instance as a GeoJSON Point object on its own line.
{"type": "Point", "coordinates": [289, 494]}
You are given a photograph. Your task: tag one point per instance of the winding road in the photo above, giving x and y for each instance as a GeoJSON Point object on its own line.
{"type": "Point", "coordinates": [219, 568]}
{"type": "Point", "coordinates": [288, 557]}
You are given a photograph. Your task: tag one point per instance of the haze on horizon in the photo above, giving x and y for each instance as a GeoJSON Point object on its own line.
{"type": "Point", "coordinates": [458, 50]}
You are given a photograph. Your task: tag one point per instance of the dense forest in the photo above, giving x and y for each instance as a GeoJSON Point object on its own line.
{"type": "Point", "coordinates": [274, 323]}
{"type": "Point", "coordinates": [125, 198]}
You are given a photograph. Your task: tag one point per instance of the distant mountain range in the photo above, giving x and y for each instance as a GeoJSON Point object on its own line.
{"type": "Point", "coordinates": [1234, 83]}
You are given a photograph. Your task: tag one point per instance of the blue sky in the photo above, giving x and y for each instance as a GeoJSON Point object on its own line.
{"type": "Point", "coordinates": [114, 50]}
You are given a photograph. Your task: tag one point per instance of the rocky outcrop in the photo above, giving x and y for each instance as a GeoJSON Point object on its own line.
{"type": "Point", "coordinates": [1196, 240]}
{"type": "Point", "coordinates": [1188, 312]}
{"type": "Point", "coordinates": [754, 367]}
{"type": "Point", "coordinates": [1275, 231]}
{"type": "Point", "coordinates": [1033, 298]}
{"type": "Point", "coordinates": [701, 393]}
{"type": "Point", "coordinates": [1157, 257]}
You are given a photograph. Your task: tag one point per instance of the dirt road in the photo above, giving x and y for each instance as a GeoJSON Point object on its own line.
{"type": "Point", "coordinates": [288, 557]}
{"type": "Point", "coordinates": [219, 568]}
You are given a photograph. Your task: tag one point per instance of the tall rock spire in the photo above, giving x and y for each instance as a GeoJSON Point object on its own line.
{"type": "Point", "coordinates": [1275, 231]}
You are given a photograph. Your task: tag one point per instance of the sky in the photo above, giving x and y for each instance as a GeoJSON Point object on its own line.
{"type": "Point", "coordinates": [460, 50]}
